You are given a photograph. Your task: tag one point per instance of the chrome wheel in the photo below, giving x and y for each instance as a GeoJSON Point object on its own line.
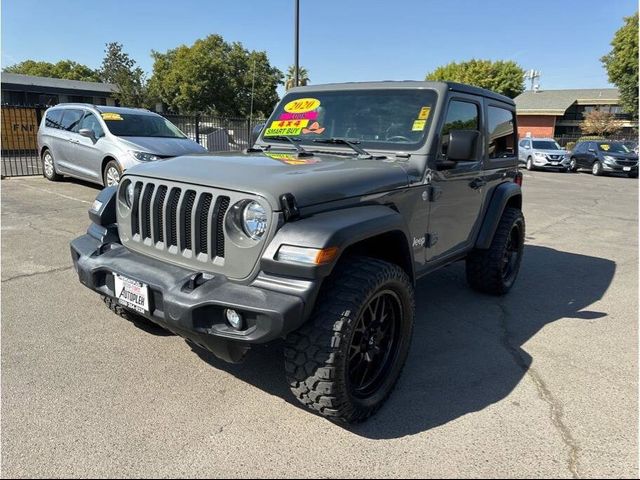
{"type": "Point", "coordinates": [49, 169]}
{"type": "Point", "coordinates": [573, 166]}
{"type": "Point", "coordinates": [596, 169]}
{"type": "Point", "coordinates": [529, 164]}
{"type": "Point", "coordinates": [112, 176]}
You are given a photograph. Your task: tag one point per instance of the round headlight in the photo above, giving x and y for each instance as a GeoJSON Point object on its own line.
{"type": "Point", "coordinates": [254, 220]}
{"type": "Point", "coordinates": [128, 194]}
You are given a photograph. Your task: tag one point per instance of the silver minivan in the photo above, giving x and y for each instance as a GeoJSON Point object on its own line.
{"type": "Point", "coordinates": [98, 143]}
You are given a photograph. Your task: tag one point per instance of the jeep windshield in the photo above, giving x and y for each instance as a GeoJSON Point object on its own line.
{"type": "Point", "coordinates": [140, 125]}
{"type": "Point", "coordinates": [392, 119]}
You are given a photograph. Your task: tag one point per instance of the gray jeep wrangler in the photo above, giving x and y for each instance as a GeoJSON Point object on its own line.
{"type": "Point", "coordinates": [318, 233]}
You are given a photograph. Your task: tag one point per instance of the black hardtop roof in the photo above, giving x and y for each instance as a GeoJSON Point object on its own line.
{"type": "Point", "coordinates": [441, 87]}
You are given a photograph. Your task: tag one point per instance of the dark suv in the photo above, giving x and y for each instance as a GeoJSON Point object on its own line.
{"type": "Point", "coordinates": [603, 156]}
{"type": "Point", "coordinates": [318, 233]}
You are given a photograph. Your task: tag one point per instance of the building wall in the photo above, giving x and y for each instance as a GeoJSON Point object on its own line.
{"type": "Point", "coordinates": [536, 125]}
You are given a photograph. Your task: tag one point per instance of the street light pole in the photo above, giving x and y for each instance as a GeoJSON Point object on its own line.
{"type": "Point", "coordinates": [296, 64]}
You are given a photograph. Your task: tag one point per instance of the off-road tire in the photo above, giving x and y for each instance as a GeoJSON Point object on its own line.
{"type": "Point", "coordinates": [484, 268]}
{"type": "Point", "coordinates": [317, 355]}
{"type": "Point", "coordinates": [49, 171]}
{"type": "Point", "coordinates": [113, 305]}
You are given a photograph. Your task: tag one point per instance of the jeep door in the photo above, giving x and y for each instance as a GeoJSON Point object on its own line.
{"type": "Point", "coordinates": [457, 186]}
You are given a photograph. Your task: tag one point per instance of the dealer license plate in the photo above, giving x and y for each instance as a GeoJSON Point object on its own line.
{"type": "Point", "coordinates": [626, 169]}
{"type": "Point", "coordinates": [132, 294]}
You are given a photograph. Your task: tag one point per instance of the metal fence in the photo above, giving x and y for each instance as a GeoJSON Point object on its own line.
{"type": "Point", "coordinates": [19, 147]}
{"type": "Point", "coordinates": [563, 140]}
{"type": "Point", "coordinates": [20, 127]}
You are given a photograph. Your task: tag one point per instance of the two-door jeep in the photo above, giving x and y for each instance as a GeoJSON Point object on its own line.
{"type": "Point", "coordinates": [318, 233]}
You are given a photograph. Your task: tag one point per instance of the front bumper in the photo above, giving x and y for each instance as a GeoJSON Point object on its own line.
{"type": "Point", "coordinates": [614, 167]}
{"type": "Point", "coordinates": [272, 306]}
{"type": "Point", "coordinates": [551, 164]}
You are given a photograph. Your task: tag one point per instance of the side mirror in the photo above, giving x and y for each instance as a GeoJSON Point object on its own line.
{"type": "Point", "coordinates": [87, 132]}
{"type": "Point", "coordinates": [462, 145]}
{"type": "Point", "coordinates": [592, 150]}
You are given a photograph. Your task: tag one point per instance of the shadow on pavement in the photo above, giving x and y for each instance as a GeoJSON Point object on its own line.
{"type": "Point", "coordinates": [467, 347]}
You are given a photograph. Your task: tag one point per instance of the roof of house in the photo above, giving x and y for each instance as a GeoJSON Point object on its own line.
{"type": "Point", "coordinates": [57, 83]}
{"type": "Point", "coordinates": [556, 102]}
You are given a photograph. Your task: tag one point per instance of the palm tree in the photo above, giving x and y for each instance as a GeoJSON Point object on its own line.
{"type": "Point", "coordinates": [303, 77]}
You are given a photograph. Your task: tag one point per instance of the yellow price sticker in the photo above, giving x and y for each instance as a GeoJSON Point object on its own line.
{"type": "Point", "coordinates": [111, 116]}
{"type": "Point", "coordinates": [302, 105]}
{"type": "Point", "coordinates": [424, 113]}
{"type": "Point", "coordinates": [418, 125]}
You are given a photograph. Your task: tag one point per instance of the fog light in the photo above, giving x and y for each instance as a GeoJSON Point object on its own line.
{"type": "Point", "coordinates": [234, 318]}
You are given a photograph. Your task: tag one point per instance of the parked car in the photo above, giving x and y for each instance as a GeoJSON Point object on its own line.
{"type": "Point", "coordinates": [632, 145]}
{"type": "Point", "coordinates": [542, 153]}
{"type": "Point", "coordinates": [98, 143]}
{"type": "Point", "coordinates": [602, 156]}
{"type": "Point", "coordinates": [318, 233]}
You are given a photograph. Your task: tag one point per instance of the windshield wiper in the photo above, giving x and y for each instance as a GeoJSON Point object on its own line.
{"type": "Point", "coordinates": [293, 141]}
{"type": "Point", "coordinates": [353, 144]}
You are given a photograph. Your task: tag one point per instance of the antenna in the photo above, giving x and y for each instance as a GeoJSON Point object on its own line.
{"type": "Point", "coordinates": [253, 84]}
{"type": "Point", "coordinates": [533, 75]}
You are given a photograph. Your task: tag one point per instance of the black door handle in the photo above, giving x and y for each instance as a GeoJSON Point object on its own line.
{"type": "Point", "coordinates": [477, 183]}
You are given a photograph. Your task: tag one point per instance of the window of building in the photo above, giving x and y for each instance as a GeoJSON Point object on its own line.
{"type": "Point", "coordinates": [502, 136]}
{"type": "Point", "coordinates": [460, 116]}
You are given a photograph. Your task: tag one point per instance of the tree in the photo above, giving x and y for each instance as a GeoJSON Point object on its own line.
{"type": "Point", "coordinates": [505, 77]}
{"type": "Point", "coordinates": [621, 64]}
{"type": "Point", "coordinates": [303, 77]}
{"type": "Point", "coordinates": [66, 69]}
{"type": "Point", "coordinates": [215, 76]}
{"type": "Point", "coordinates": [121, 70]}
{"type": "Point", "coordinates": [600, 123]}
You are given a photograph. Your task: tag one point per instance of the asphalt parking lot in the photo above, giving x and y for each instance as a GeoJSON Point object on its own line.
{"type": "Point", "coordinates": [540, 383]}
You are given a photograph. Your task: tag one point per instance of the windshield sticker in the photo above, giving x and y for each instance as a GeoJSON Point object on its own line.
{"type": "Point", "coordinates": [314, 128]}
{"type": "Point", "coordinates": [418, 125]}
{"type": "Point", "coordinates": [285, 127]}
{"type": "Point", "coordinates": [111, 116]}
{"type": "Point", "coordinates": [299, 116]}
{"type": "Point", "coordinates": [302, 105]}
{"type": "Point", "coordinates": [424, 113]}
{"type": "Point", "coordinates": [605, 146]}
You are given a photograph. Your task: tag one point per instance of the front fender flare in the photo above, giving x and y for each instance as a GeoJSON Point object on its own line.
{"type": "Point", "coordinates": [338, 228]}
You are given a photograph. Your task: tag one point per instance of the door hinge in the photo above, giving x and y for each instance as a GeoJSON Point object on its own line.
{"type": "Point", "coordinates": [434, 193]}
{"type": "Point", "coordinates": [431, 239]}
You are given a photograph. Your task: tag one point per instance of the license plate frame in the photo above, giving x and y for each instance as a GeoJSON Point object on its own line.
{"type": "Point", "coordinates": [626, 169]}
{"type": "Point", "coordinates": [131, 293]}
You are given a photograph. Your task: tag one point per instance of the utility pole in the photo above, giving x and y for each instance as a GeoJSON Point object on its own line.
{"type": "Point", "coordinates": [532, 75]}
{"type": "Point", "coordinates": [296, 64]}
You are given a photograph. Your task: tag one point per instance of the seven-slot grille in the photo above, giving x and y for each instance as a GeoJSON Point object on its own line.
{"type": "Point", "coordinates": [179, 219]}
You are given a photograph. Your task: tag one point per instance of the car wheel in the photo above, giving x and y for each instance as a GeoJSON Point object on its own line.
{"type": "Point", "coordinates": [596, 168]}
{"type": "Point", "coordinates": [573, 166]}
{"type": "Point", "coordinates": [345, 361]}
{"type": "Point", "coordinates": [111, 174]}
{"type": "Point", "coordinates": [49, 167]}
{"type": "Point", "coordinates": [530, 164]}
{"type": "Point", "coordinates": [494, 270]}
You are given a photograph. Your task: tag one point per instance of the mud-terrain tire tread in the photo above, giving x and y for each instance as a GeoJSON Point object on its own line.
{"type": "Point", "coordinates": [484, 267]}
{"type": "Point", "coordinates": [314, 354]}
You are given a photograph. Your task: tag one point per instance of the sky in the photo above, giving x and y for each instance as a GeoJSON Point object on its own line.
{"type": "Point", "coordinates": [340, 40]}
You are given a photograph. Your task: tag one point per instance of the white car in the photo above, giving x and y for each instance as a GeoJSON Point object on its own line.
{"type": "Point", "coordinates": [543, 153]}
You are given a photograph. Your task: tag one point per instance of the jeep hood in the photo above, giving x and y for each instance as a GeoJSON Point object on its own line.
{"type": "Point", "coordinates": [311, 180]}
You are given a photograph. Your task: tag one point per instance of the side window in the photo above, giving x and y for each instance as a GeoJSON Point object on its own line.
{"type": "Point", "coordinates": [579, 148]}
{"type": "Point", "coordinates": [502, 134]}
{"type": "Point", "coordinates": [71, 120]}
{"type": "Point", "coordinates": [53, 118]}
{"type": "Point", "coordinates": [91, 122]}
{"type": "Point", "coordinates": [460, 116]}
